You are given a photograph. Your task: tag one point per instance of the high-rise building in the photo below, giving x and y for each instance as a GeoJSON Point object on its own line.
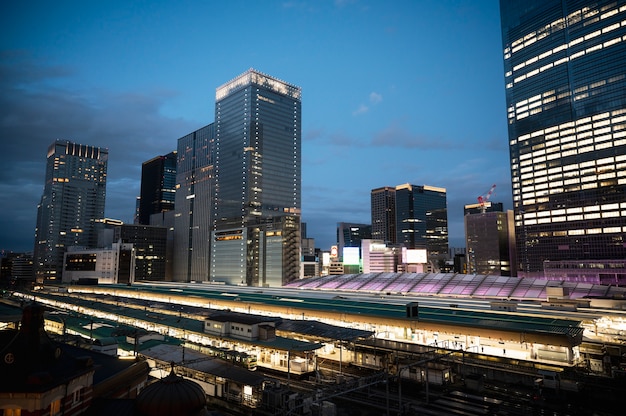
{"type": "Point", "coordinates": [257, 169]}
{"type": "Point", "coordinates": [71, 206]}
{"type": "Point", "coordinates": [351, 234]}
{"type": "Point", "coordinates": [422, 219]}
{"type": "Point", "coordinates": [193, 217]}
{"type": "Point", "coordinates": [158, 187]}
{"type": "Point", "coordinates": [383, 205]}
{"type": "Point", "coordinates": [490, 241]}
{"type": "Point", "coordinates": [564, 66]}
{"type": "Point", "coordinates": [150, 245]}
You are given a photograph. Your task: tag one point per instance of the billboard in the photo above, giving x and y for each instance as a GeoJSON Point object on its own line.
{"type": "Point", "coordinates": [351, 256]}
{"type": "Point", "coordinates": [414, 256]}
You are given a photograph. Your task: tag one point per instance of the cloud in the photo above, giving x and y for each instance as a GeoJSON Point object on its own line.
{"type": "Point", "coordinates": [36, 110]}
{"type": "Point", "coordinates": [313, 134]}
{"type": "Point", "coordinates": [361, 110]}
{"type": "Point", "coordinates": [374, 99]}
{"type": "Point", "coordinates": [396, 135]}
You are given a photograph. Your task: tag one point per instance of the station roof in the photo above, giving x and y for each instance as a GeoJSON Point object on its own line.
{"type": "Point", "coordinates": [205, 363]}
{"type": "Point", "coordinates": [105, 328]}
{"type": "Point", "coordinates": [322, 330]}
{"type": "Point", "coordinates": [522, 323]}
{"type": "Point", "coordinates": [512, 322]}
{"type": "Point", "coordinates": [455, 284]}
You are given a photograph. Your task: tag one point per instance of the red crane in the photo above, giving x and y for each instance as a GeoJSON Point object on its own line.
{"type": "Point", "coordinates": [484, 198]}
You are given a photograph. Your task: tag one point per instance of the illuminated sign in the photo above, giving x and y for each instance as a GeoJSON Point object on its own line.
{"type": "Point", "coordinates": [351, 256]}
{"type": "Point", "coordinates": [334, 252]}
{"type": "Point", "coordinates": [326, 259]}
{"type": "Point", "coordinates": [414, 256]}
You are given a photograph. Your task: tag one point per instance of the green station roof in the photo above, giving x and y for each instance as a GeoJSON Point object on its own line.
{"type": "Point", "coordinates": [507, 321]}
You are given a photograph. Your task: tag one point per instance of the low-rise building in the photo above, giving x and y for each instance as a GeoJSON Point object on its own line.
{"type": "Point", "coordinates": [241, 326]}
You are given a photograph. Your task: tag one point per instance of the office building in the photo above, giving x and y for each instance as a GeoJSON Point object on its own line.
{"type": "Point", "coordinates": [257, 170]}
{"type": "Point", "coordinates": [490, 242]}
{"type": "Point", "coordinates": [377, 257]}
{"type": "Point", "coordinates": [484, 207]}
{"type": "Point", "coordinates": [193, 212]}
{"type": "Point", "coordinates": [91, 266]}
{"type": "Point", "coordinates": [158, 187]}
{"type": "Point", "coordinates": [351, 234]}
{"type": "Point", "coordinates": [16, 268]}
{"type": "Point", "coordinates": [566, 107]}
{"type": "Point", "coordinates": [71, 205]}
{"type": "Point", "coordinates": [150, 247]}
{"type": "Point", "coordinates": [422, 219]}
{"type": "Point", "coordinates": [383, 206]}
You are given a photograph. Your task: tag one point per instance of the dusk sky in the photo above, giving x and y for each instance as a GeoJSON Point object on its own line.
{"type": "Point", "coordinates": [393, 92]}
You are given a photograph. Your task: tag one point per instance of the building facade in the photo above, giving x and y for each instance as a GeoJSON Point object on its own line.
{"type": "Point", "coordinates": [16, 268]}
{"type": "Point", "coordinates": [257, 199]}
{"type": "Point", "coordinates": [150, 248]}
{"type": "Point", "coordinates": [383, 206]}
{"type": "Point", "coordinates": [193, 218]}
{"type": "Point", "coordinates": [566, 106]}
{"type": "Point", "coordinates": [158, 187]}
{"type": "Point", "coordinates": [490, 242]}
{"type": "Point", "coordinates": [71, 206]}
{"type": "Point", "coordinates": [111, 265]}
{"type": "Point", "coordinates": [422, 219]}
{"type": "Point", "coordinates": [351, 234]}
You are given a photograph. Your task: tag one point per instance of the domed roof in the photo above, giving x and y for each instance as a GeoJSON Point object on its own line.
{"type": "Point", "coordinates": [171, 396]}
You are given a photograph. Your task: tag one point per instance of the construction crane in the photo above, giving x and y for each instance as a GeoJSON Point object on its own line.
{"type": "Point", "coordinates": [482, 200]}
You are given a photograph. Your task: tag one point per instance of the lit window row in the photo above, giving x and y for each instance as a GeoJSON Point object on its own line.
{"type": "Point", "coordinates": [557, 25]}
{"type": "Point", "coordinates": [577, 129]}
{"type": "Point", "coordinates": [563, 60]}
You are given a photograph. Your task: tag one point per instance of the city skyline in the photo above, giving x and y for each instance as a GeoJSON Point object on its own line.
{"type": "Point", "coordinates": [388, 97]}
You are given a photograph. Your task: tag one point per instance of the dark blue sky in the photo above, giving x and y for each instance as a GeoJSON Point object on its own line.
{"type": "Point", "coordinates": [393, 92]}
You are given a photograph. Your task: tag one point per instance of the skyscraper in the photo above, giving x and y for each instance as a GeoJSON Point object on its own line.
{"type": "Point", "coordinates": [422, 219]}
{"type": "Point", "coordinates": [71, 206]}
{"type": "Point", "coordinates": [158, 186]}
{"type": "Point", "coordinates": [383, 205]}
{"type": "Point", "coordinates": [351, 234]}
{"type": "Point", "coordinates": [193, 216]}
{"type": "Point", "coordinates": [490, 240]}
{"type": "Point", "coordinates": [564, 66]}
{"type": "Point", "coordinates": [257, 181]}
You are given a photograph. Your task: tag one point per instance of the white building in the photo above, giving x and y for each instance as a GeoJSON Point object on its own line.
{"type": "Point", "coordinates": [100, 265]}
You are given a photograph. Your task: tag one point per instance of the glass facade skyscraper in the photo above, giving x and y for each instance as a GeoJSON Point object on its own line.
{"type": "Point", "coordinates": [193, 216]}
{"type": "Point", "coordinates": [383, 209]}
{"type": "Point", "coordinates": [565, 79]}
{"type": "Point", "coordinates": [158, 187]}
{"type": "Point", "coordinates": [490, 242]}
{"type": "Point", "coordinates": [72, 205]}
{"type": "Point", "coordinates": [422, 219]}
{"type": "Point", "coordinates": [257, 181]}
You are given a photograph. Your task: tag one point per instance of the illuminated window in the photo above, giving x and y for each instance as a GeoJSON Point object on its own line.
{"type": "Point", "coordinates": [55, 407]}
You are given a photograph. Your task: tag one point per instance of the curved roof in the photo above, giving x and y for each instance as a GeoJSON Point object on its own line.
{"type": "Point", "coordinates": [453, 284]}
{"type": "Point", "coordinates": [171, 396]}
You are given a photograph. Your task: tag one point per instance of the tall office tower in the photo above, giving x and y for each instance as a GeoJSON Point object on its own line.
{"type": "Point", "coordinates": [566, 97]}
{"type": "Point", "coordinates": [193, 212]}
{"type": "Point", "coordinates": [71, 206]}
{"type": "Point", "coordinates": [150, 245]}
{"type": "Point", "coordinates": [158, 186]}
{"type": "Point", "coordinates": [257, 181]}
{"type": "Point", "coordinates": [422, 219]}
{"type": "Point", "coordinates": [351, 234]}
{"type": "Point", "coordinates": [490, 241]}
{"type": "Point", "coordinates": [383, 201]}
